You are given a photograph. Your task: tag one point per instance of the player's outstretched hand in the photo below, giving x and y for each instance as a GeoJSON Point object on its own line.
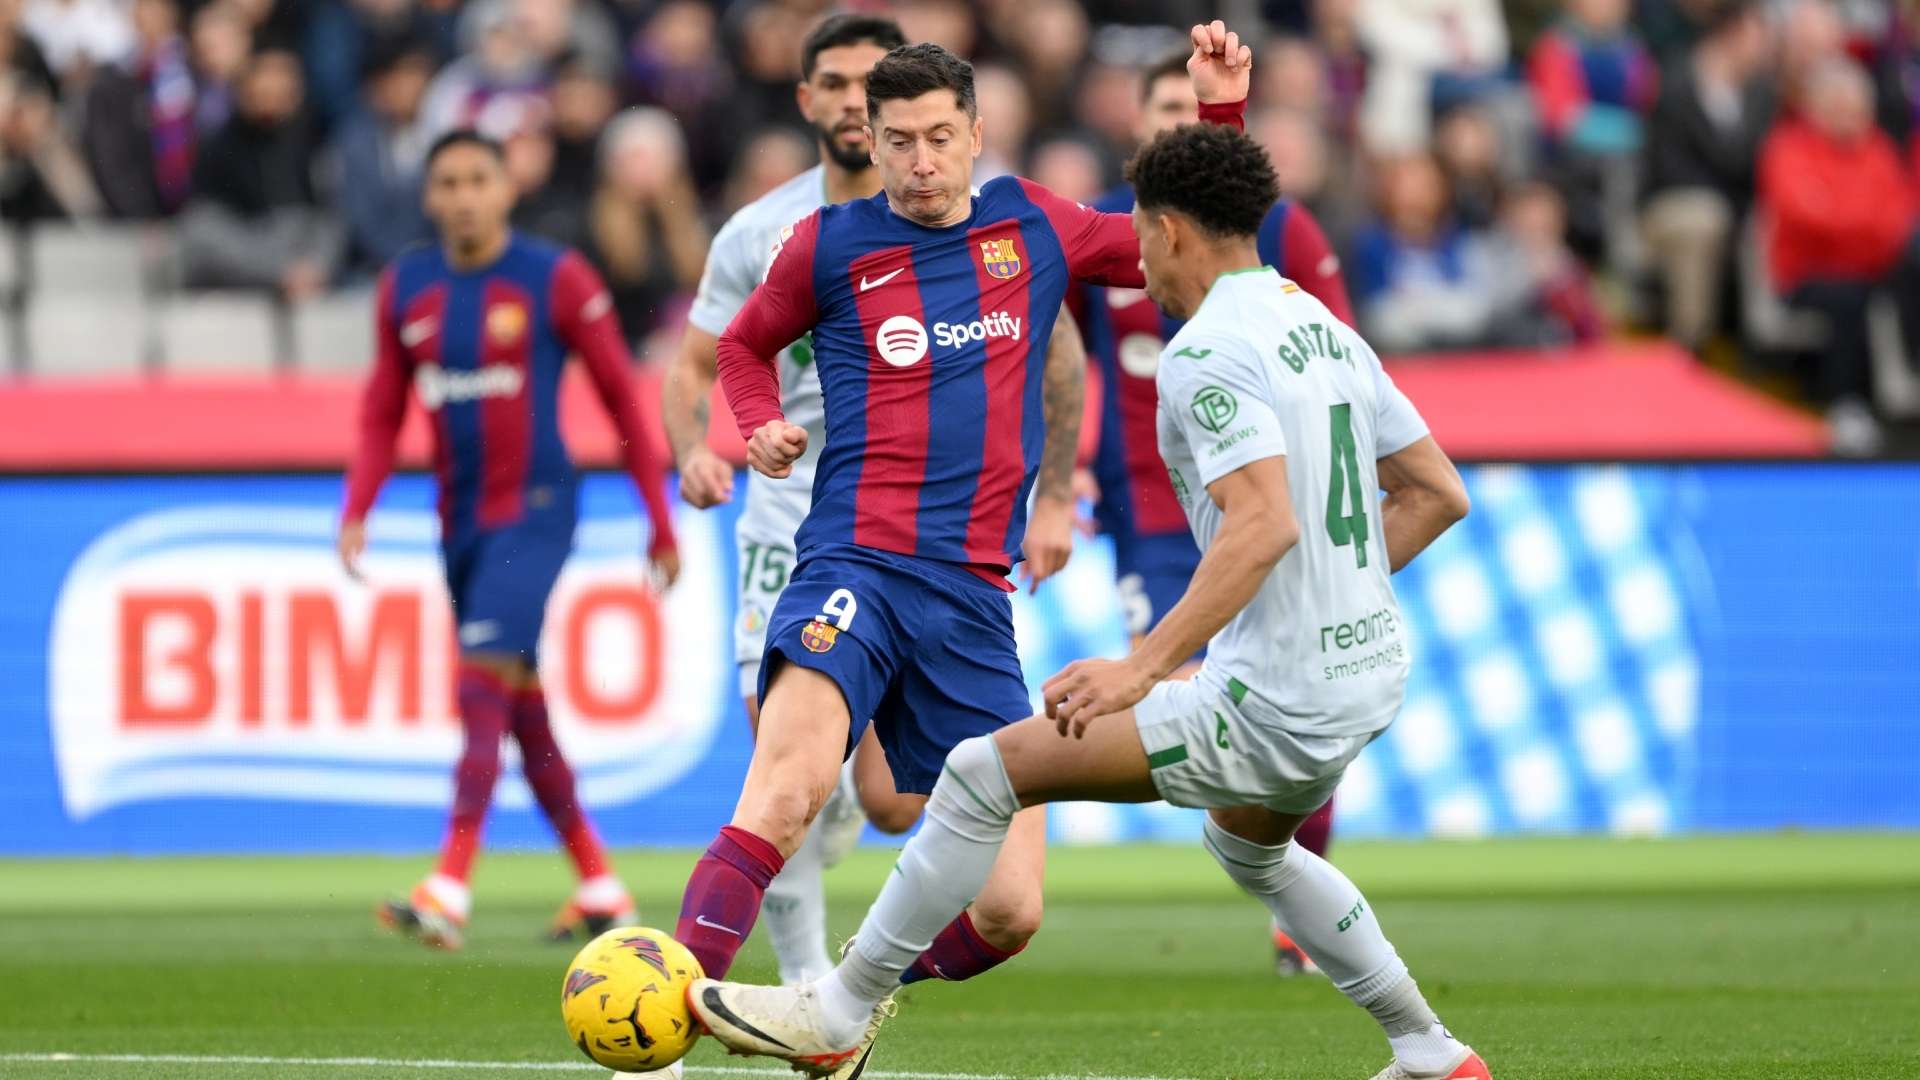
{"type": "Point", "coordinates": [705, 480]}
{"type": "Point", "coordinates": [663, 567]}
{"type": "Point", "coordinates": [1221, 68]}
{"type": "Point", "coordinates": [352, 544]}
{"type": "Point", "coordinates": [1049, 541]}
{"type": "Point", "coordinates": [775, 447]}
{"type": "Point", "coordinates": [1087, 689]}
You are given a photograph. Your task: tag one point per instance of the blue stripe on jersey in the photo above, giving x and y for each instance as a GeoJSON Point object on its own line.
{"type": "Point", "coordinates": [828, 519]}
{"type": "Point", "coordinates": [460, 351]}
{"type": "Point", "coordinates": [1272, 229]}
{"type": "Point", "coordinates": [549, 462]}
{"type": "Point", "coordinates": [956, 402]}
{"type": "Point", "coordinates": [1044, 249]}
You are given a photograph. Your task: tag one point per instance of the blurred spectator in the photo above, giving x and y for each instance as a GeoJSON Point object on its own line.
{"type": "Point", "coordinates": [946, 23]}
{"type": "Point", "coordinates": [1337, 32]}
{"type": "Point", "coordinates": [499, 86]}
{"type": "Point", "coordinates": [1293, 76]}
{"type": "Point", "coordinates": [1006, 117]}
{"type": "Point", "coordinates": [1108, 107]}
{"type": "Point", "coordinates": [542, 207]}
{"type": "Point", "coordinates": [551, 30]}
{"type": "Point", "coordinates": [1840, 212]}
{"type": "Point", "coordinates": [255, 220]}
{"type": "Point", "coordinates": [380, 153]}
{"type": "Point", "coordinates": [342, 37]}
{"type": "Point", "coordinates": [769, 65]}
{"type": "Point", "coordinates": [1049, 40]}
{"type": "Point", "coordinates": [78, 36]}
{"type": "Point", "coordinates": [646, 231]}
{"type": "Point", "coordinates": [1592, 79]}
{"type": "Point", "coordinates": [1311, 173]}
{"type": "Point", "coordinates": [1545, 296]}
{"type": "Point", "coordinates": [583, 99]}
{"type": "Point", "coordinates": [138, 127]}
{"type": "Point", "coordinates": [769, 158]}
{"type": "Point", "coordinates": [1702, 142]}
{"type": "Point", "coordinates": [1424, 55]}
{"type": "Point", "coordinates": [1421, 282]}
{"type": "Point", "coordinates": [1899, 80]}
{"type": "Point", "coordinates": [670, 63]}
{"type": "Point", "coordinates": [218, 44]}
{"type": "Point", "coordinates": [1068, 166]}
{"type": "Point", "coordinates": [1467, 145]}
{"type": "Point", "coordinates": [42, 177]}
{"type": "Point", "coordinates": [1811, 34]}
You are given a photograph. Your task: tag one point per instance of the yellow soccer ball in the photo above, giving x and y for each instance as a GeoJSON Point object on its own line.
{"type": "Point", "coordinates": [625, 999]}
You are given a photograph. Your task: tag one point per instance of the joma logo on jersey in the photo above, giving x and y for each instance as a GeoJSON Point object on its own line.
{"type": "Point", "coordinates": [1000, 258]}
{"type": "Point", "coordinates": [1214, 408]}
{"type": "Point", "coordinates": [438, 386]}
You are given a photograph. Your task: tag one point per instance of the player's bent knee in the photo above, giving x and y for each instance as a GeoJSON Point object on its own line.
{"type": "Point", "coordinates": [891, 812]}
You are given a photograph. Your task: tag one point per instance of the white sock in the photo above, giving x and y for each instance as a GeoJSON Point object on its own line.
{"type": "Point", "coordinates": [603, 893]}
{"type": "Point", "coordinates": [795, 915]}
{"type": "Point", "coordinates": [942, 869]}
{"type": "Point", "coordinates": [1333, 924]}
{"type": "Point", "coordinates": [453, 895]}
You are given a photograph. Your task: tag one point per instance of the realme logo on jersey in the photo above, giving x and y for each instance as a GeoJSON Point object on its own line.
{"type": "Point", "coordinates": [998, 324]}
{"type": "Point", "coordinates": [437, 386]}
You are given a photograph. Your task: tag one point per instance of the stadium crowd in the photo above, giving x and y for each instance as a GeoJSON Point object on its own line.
{"type": "Point", "coordinates": [1741, 176]}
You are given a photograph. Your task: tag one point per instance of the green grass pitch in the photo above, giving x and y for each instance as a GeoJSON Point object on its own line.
{"type": "Point", "coordinates": [1722, 958]}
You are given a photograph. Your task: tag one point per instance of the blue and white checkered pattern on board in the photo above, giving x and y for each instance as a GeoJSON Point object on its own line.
{"type": "Point", "coordinates": [1556, 681]}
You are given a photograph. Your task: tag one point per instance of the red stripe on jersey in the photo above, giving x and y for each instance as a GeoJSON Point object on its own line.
{"type": "Point", "coordinates": [1003, 463]}
{"type": "Point", "coordinates": [423, 327]}
{"type": "Point", "coordinates": [1155, 510]}
{"type": "Point", "coordinates": [506, 421]}
{"type": "Point", "coordinates": [886, 509]}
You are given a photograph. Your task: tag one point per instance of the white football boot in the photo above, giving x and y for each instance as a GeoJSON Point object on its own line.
{"type": "Point", "coordinates": [1467, 1066]}
{"type": "Point", "coordinates": [784, 1022]}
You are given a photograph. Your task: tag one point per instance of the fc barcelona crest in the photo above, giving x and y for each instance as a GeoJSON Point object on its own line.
{"type": "Point", "coordinates": [505, 323]}
{"type": "Point", "coordinates": [818, 636]}
{"type": "Point", "coordinates": [1000, 258]}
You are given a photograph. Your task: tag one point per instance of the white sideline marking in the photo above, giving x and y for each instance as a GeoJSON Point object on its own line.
{"type": "Point", "coordinates": [520, 1066]}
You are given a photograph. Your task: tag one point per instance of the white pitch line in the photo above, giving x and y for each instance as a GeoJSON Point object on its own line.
{"type": "Point", "coordinates": [512, 1066]}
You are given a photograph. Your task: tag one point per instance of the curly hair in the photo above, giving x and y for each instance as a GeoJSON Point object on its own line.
{"type": "Point", "coordinates": [1211, 173]}
{"type": "Point", "coordinates": [912, 70]}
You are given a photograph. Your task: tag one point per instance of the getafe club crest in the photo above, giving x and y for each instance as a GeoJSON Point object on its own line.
{"type": "Point", "coordinates": [1000, 258]}
{"type": "Point", "coordinates": [819, 636]}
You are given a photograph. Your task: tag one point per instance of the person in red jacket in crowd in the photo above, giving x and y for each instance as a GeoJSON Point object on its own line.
{"type": "Point", "coordinates": [1840, 210]}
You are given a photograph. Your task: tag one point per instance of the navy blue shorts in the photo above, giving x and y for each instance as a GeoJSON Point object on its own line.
{"type": "Point", "coordinates": [500, 579]}
{"type": "Point", "coordinates": [921, 648]}
{"type": "Point", "coordinates": [1153, 572]}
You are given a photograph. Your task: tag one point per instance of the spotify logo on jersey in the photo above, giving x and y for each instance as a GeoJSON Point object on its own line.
{"type": "Point", "coordinates": [902, 341]}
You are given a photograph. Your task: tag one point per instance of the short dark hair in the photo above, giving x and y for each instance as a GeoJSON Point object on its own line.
{"type": "Point", "coordinates": [464, 137]}
{"type": "Point", "coordinates": [848, 28]}
{"type": "Point", "coordinates": [1211, 173]}
{"type": "Point", "coordinates": [912, 70]}
{"type": "Point", "coordinates": [1167, 66]}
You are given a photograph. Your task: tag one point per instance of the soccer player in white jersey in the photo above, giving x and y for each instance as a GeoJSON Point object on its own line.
{"type": "Point", "coordinates": [1280, 430]}
{"type": "Point", "coordinates": [835, 59]}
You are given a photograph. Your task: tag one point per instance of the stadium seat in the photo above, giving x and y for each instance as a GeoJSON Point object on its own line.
{"type": "Point", "coordinates": [73, 335]}
{"type": "Point", "coordinates": [334, 333]}
{"type": "Point", "coordinates": [1895, 386]}
{"type": "Point", "coordinates": [221, 333]}
{"type": "Point", "coordinates": [114, 259]}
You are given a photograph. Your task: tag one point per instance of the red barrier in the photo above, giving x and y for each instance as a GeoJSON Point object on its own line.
{"type": "Point", "coordinates": [1619, 401]}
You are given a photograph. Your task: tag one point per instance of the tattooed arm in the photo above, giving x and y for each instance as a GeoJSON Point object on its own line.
{"type": "Point", "coordinates": [1049, 540]}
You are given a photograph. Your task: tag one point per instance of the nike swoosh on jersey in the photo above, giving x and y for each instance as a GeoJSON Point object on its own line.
{"type": "Point", "coordinates": [416, 332]}
{"type": "Point", "coordinates": [704, 921]}
{"type": "Point", "coordinates": [874, 283]}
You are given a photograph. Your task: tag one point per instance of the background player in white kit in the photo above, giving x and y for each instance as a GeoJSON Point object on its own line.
{"type": "Point", "coordinates": [1280, 430]}
{"type": "Point", "coordinates": [835, 59]}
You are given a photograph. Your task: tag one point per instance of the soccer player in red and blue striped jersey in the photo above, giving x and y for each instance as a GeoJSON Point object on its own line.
{"type": "Point", "coordinates": [930, 308]}
{"type": "Point", "coordinates": [480, 327]}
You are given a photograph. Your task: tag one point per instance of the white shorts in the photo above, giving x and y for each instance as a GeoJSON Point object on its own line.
{"type": "Point", "coordinates": [764, 569]}
{"type": "Point", "coordinates": [1205, 752]}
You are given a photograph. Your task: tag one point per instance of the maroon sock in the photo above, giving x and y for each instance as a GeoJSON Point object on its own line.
{"type": "Point", "coordinates": [551, 779]}
{"type": "Point", "coordinates": [723, 897]}
{"type": "Point", "coordinates": [1316, 832]}
{"type": "Point", "coordinates": [958, 952]}
{"type": "Point", "coordinates": [485, 705]}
